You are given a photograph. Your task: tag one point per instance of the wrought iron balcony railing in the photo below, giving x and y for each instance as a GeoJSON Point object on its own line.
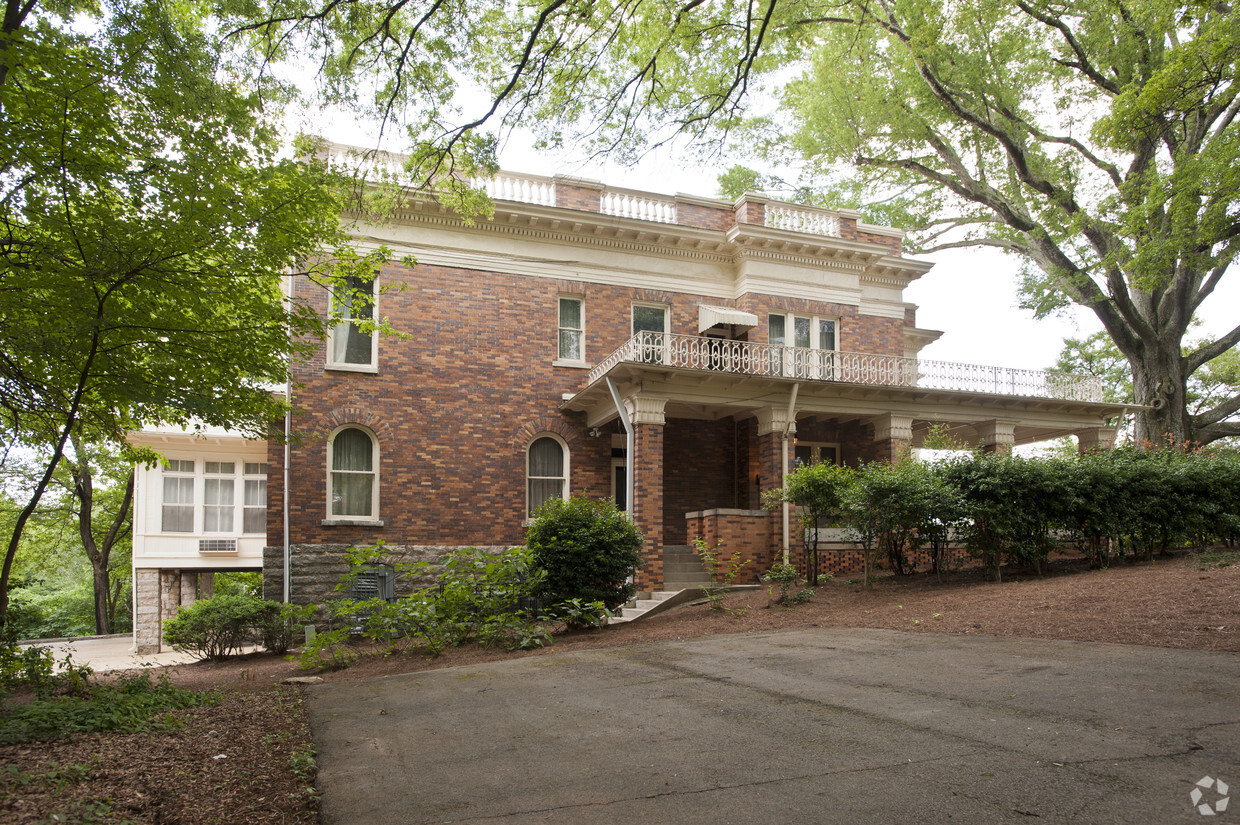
{"type": "Point", "coordinates": [804, 364]}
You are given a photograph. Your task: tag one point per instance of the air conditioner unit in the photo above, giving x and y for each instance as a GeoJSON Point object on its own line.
{"type": "Point", "coordinates": [217, 545]}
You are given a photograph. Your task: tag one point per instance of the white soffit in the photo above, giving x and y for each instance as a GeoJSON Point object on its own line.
{"type": "Point", "coordinates": [709, 316]}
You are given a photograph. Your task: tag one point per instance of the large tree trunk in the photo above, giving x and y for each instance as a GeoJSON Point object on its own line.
{"type": "Point", "coordinates": [1158, 382]}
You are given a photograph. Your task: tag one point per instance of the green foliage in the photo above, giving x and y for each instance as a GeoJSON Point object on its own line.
{"type": "Point", "coordinates": [219, 627]}
{"type": "Point", "coordinates": [473, 595]}
{"type": "Point", "coordinates": [132, 702]}
{"type": "Point", "coordinates": [33, 670]}
{"type": "Point", "coordinates": [819, 492]}
{"type": "Point", "coordinates": [244, 582]}
{"type": "Point", "coordinates": [577, 614]}
{"type": "Point", "coordinates": [327, 651]}
{"type": "Point", "coordinates": [586, 550]}
{"type": "Point", "coordinates": [282, 625]}
{"type": "Point", "coordinates": [785, 577]}
{"type": "Point", "coordinates": [721, 573]}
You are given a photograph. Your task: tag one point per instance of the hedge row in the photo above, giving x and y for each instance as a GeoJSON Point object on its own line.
{"type": "Point", "coordinates": [1013, 509]}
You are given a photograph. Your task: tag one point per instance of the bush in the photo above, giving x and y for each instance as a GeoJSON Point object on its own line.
{"type": "Point", "coordinates": [586, 549]}
{"type": "Point", "coordinates": [282, 623]}
{"type": "Point", "coordinates": [217, 628]}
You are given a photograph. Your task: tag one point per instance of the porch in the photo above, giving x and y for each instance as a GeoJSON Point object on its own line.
{"type": "Point", "coordinates": [710, 425]}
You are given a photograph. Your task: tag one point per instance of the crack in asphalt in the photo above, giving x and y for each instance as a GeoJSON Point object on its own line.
{"type": "Point", "coordinates": [714, 789]}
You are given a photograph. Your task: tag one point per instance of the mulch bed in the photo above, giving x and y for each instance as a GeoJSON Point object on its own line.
{"type": "Point", "coordinates": [258, 727]}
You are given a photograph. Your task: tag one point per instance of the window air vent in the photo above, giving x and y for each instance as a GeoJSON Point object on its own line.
{"type": "Point", "coordinates": [217, 545]}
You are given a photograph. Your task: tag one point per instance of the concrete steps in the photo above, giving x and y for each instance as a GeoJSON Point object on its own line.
{"type": "Point", "coordinates": [682, 568]}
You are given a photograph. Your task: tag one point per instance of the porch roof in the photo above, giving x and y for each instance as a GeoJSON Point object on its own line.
{"type": "Point", "coordinates": [700, 378]}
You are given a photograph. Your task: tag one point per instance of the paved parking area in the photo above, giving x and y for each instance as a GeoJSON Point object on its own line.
{"type": "Point", "coordinates": [821, 726]}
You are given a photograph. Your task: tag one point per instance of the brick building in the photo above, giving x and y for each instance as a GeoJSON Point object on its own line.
{"type": "Point", "coordinates": [674, 353]}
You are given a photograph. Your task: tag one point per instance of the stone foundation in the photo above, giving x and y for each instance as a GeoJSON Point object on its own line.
{"type": "Point", "coordinates": [316, 569]}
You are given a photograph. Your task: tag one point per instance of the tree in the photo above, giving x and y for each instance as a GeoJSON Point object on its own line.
{"type": "Point", "coordinates": [1095, 139]}
{"type": "Point", "coordinates": [149, 217]}
{"type": "Point", "coordinates": [818, 491]}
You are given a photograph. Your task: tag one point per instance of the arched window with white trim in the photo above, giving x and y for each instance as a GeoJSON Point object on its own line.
{"type": "Point", "coordinates": [546, 471]}
{"type": "Point", "coordinates": [353, 476]}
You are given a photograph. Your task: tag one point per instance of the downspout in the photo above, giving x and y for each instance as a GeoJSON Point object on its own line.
{"type": "Point", "coordinates": [629, 444]}
{"type": "Point", "coordinates": [288, 426]}
{"type": "Point", "coordinates": [789, 423]}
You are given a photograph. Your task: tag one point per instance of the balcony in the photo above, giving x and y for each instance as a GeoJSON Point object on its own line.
{"type": "Point", "coordinates": [854, 368]}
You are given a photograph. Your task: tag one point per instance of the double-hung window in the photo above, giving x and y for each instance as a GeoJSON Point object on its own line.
{"type": "Point", "coordinates": [178, 504]}
{"type": "Point", "coordinates": [650, 322]}
{"type": "Point", "coordinates": [353, 483]}
{"type": "Point", "coordinates": [254, 512]}
{"type": "Point", "coordinates": [351, 345]}
{"type": "Point", "coordinates": [218, 485]}
{"type": "Point", "coordinates": [572, 331]}
{"type": "Point", "coordinates": [546, 471]}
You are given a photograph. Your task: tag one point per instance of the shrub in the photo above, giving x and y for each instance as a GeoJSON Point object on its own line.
{"type": "Point", "coordinates": [327, 651]}
{"type": "Point", "coordinates": [785, 577]}
{"type": "Point", "coordinates": [586, 550]}
{"type": "Point", "coordinates": [282, 623]}
{"type": "Point", "coordinates": [216, 628]}
{"type": "Point", "coordinates": [720, 572]}
{"type": "Point", "coordinates": [819, 491]}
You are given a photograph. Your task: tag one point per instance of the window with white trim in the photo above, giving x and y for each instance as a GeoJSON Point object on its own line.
{"type": "Point", "coordinates": [178, 504]}
{"type": "Point", "coordinates": [546, 471]}
{"type": "Point", "coordinates": [353, 477]}
{"type": "Point", "coordinates": [651, 319]}
{"type": "Point", "coordinates": [350, 346]}
{"type": "Point", "coordinates": [254, 510]}
{"type": "Point", "coordinates": [818, 336]}
{"type": "Point", "coordinates": [572, 330]}
{"type": "Point", "coordinates": [218, 485]}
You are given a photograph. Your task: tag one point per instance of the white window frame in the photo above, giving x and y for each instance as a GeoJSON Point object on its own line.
{"type": "Point", "coordinates": [373, 518]}
{"type": "Point", "coordinates": [564, 480]}
{"type": "Point", "coordinates": [655, 356]}
{"type": "Point", "coordinates": [220, 476]}
{"type": "Point", "coordinates": [559, 330]}
{"type": "Point", "coordinates": [192, 475]}
{"type": "Point", "coordinates": [344, 323]}
{"type": "Point", "coordinates": [247, 477]}
{"type": "Point", "coordinates": [819, 367]}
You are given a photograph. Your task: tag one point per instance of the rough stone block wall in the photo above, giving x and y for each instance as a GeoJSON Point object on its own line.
{"type": "Point", "coordinates": [742, 532]}
{"type": "Point", "coordinates": [148, 624]}
{"type": "Point", "coordinates": [169, 593]}
{"type": "Point", "coordinates": [316, 569]}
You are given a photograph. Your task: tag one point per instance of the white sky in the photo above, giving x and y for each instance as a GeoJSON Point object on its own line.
{"type": "Point", "coordinates": [970, 294]}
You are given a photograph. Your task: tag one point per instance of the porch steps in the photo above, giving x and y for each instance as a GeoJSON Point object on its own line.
{"type": "Point", "coordinates": [636, 608]}
{"type": "Point", "coordinates": [682, 568]}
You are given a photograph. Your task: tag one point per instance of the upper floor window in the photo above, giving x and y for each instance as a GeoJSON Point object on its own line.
{"type": "Point", "coordinates": [217, 501]}
{"type": "Point", "coordinates": [353, 479]}
{"type": "Point", "coordinates": [815, 340]}
{"type": "Point", "coordinates": [254, 513]}
{"type": "Point", "coordinates": [351, 346]}
{"type": "Point", "coordinates": [572, 330]}
{"type": "Point", "coordinates": [651, 319]}
{"type": "Point", "coordinates": [546, 471]}
{"type": "Point", "coordinates": [178, 504]}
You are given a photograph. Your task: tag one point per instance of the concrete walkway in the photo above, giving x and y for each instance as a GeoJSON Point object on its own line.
{"type": "Point", "coordinates": [807, 726]}
{"type": "Point", "coordinates": [104, 653]}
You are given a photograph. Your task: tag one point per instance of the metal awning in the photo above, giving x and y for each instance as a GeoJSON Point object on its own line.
{"type": "Point", "coordinates": [724, 316]}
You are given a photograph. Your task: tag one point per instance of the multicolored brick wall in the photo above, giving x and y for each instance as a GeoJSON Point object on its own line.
{"type": "Point", "coordinates": [745, 534]}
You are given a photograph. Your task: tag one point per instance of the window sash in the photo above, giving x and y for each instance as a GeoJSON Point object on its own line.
{"type": "Point", "coordinates": [355, 302]}
{"type": "Point", "coordinates": [177, 515]}
{"type": "Point", "coordinates": [352, 494]}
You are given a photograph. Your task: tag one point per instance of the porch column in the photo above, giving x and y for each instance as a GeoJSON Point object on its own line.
{"type": "Point", "coordinates": [997, 436]}
{"type": "Point", "coordinates": [647, 417]}
{"type": "Point", "coordinates": [147, 625]}
{"type": "Point", "coordinates": [893, 436]}
{"type": "Point", "coordinates": [1095, 438]}
{"type": "Point", "coordinates": [773, 424]}
{"type": "Point", "coordinates": [189, 587]}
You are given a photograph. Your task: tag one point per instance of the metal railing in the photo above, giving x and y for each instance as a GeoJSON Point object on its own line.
{"type": "Point", "coordinates": [805, 364]}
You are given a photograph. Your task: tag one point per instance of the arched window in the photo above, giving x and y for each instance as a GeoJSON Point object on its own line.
{"type": "Point", "coordinates": [353, 481]}
{"type": "Point", "coordinates": [547, 471]}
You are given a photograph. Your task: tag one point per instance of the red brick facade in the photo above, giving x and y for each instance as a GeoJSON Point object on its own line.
{"type": "Point", "coordinates": [472, 379]}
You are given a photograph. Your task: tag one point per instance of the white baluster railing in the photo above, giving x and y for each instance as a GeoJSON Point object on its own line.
{"type": "Point", "coordinates": [638, 205]}
{"type": "Point", "coordinates": [804, 364]}
{"type": "Point", "coordinates": [801, 219]}
{"type": "Point", "coordinates": [508, 186]}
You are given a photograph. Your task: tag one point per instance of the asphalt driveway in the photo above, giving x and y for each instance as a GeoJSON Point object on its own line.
{"type": "Point", "coordinates": [821, 726]}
